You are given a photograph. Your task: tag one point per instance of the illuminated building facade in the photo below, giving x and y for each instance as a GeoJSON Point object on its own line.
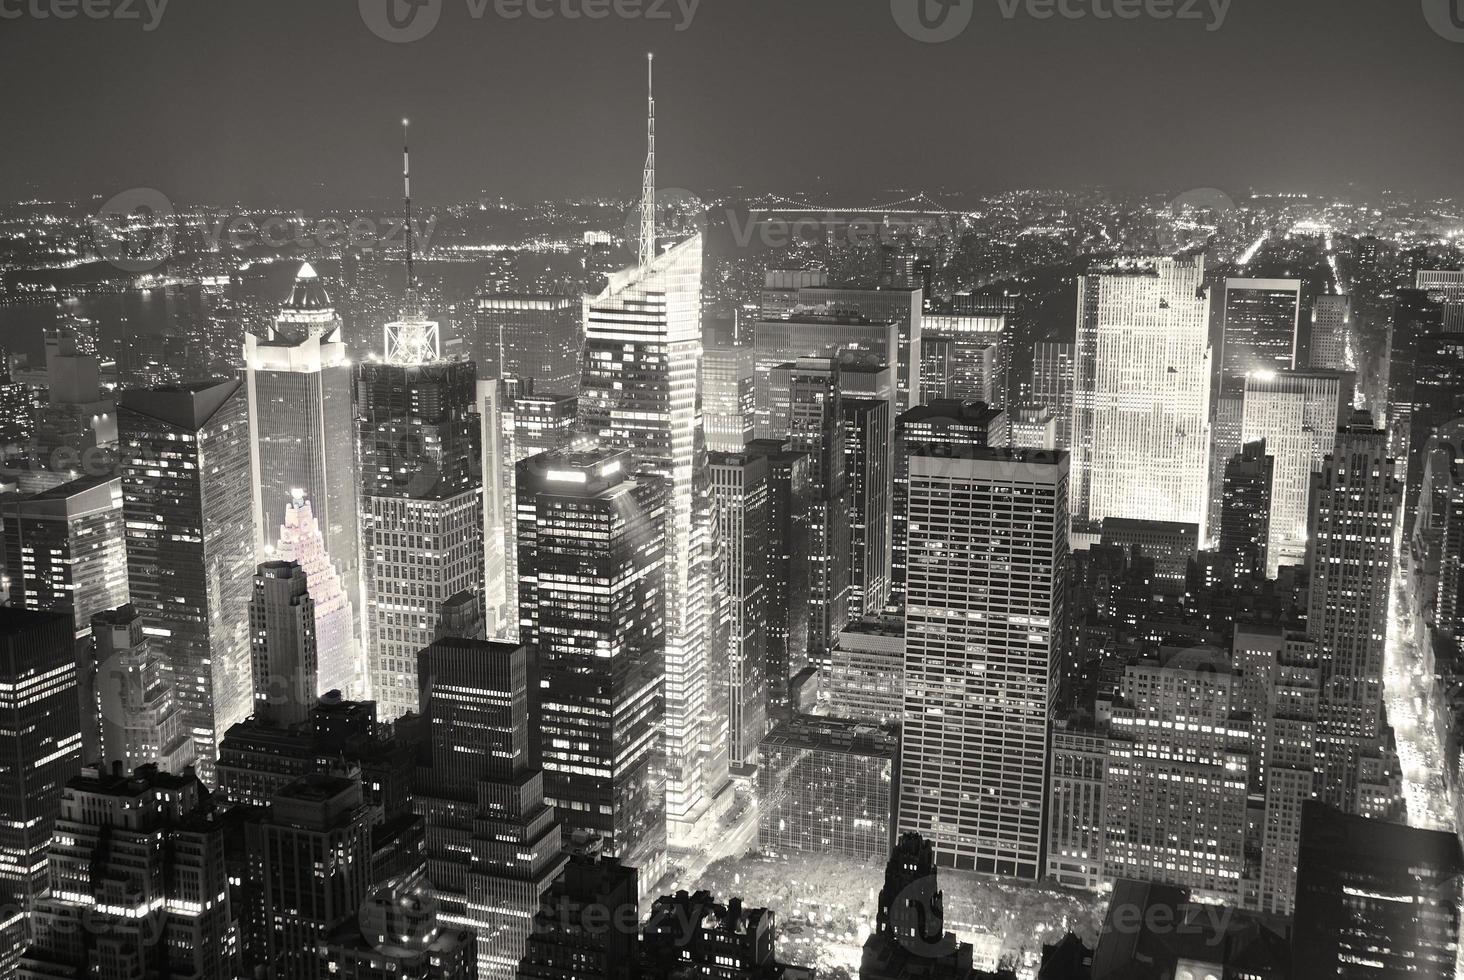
{"type": "Point", "coordinates": [190, 545]}
{"type": "Point", "coordinates": [1261, 319]}
{"type": "Point", "coordinates": [1141, 409]}
{"type": "Point", "coordinates": [526, 335]}
{"type": "Point", "coordinates": [986, 624]}
{"type": "Point", "coordinates": [140, 722]}
{"type": "Point", "coordinates": [1296, 413]}
{"type": "Point", "coordinates": [338, 663]}
{"type": "Point", "coordinates": [592, 604]}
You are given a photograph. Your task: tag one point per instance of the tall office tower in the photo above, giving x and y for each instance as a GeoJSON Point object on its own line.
{"type": "Point", "coordinates": [825, 786]}
{"type": "Point", "coordinates": [781, 288]}
{"type": "Point", "coordinates": [909, 939]}
{"type": "Point", "coordinates": [1053, 381]}
{"type": "Point", "coordinates": [867, 431]}
{"type": "Point", "coordinates": [1176, 780]}
{"type": "Point", "coordinates": [17, 422]}
{"type": "Point", "coordinates": [1331, 334]}
{"type": "Point", "coordinates": [301, 541]}
{"type": "Point", "coordinates": [66, 550]}
{"type": "Point", "coordinates": [1033, 427]}
{"type": "Point", "coordinates": [1279, 682]}
{"type": "Point", "coordinates": [525, 335]}
{"type": "Point", "coordinates": [1425, 383]}
{"type": "Point", "coordinates": [282, 644]}
{"type": "Point", "coordinates": [137, 882]}
{"type": "Point", "coordinates": [1245, 512]}
{"type": "Point", "coordinates": [741, 487]}
{"type": "Point", "coordinates": [1171, 545]}
{"type": "Point", "coordinates": [790, 509]}
{"type": "Point", "coordinates": [903, 307]}
{"type": "Point", "coordinates": [986, 627]}
{"type": "Point", "coordinates": [1446, 288]}
{"type": "Point", "coordinates": [138, 715]}
{"type": "Point", "coordinates": [939, 427]}
{"type": "Point", "coordinates": [1354, 510]}
{"type": "Point", "coordinates": [1260, 325]}
{"type": "Point", "coordinates": [1227, 426]}
{"type": "Point", "coordinates": [76, 425]}
{"type": "Point", "coordinates": [498, 608]}
{"type": "Point", "coordinates": [529, 424]}
{"type": "Point", "coordinates": [190, 545]}
{"type": "Point", "coordinates": [808, 412]}
{"type": "Point", "coordinates": [493, 844]}
{"type": "Point", "coordinates": [298, 381]}
{"type": "Point", "coordinates": [1437, 538]}
{"type": "Point", "coordinates": [867, 677]}
{"type": "Point", "coordinates": [728, 394]}
{"type": "Point", "coordinates": [592, 594]}
{"type": "Point", "coordinates": [41, 727]}
{"type": "Point", "coordinates": [311, 855]}
{"type": "Point", "coordinates": [588, 926]}
{"type": "Point", "coordinates": [1077, 825]}
{"type": "Point", "coordinates": [422, 521]}
{"type": "Point", "coordinates": [1375, 899]}
{"type": "Point", "coordinates": [695, 936]}
{"type": "Point", "coordinates": [1297, 414]}
{"type": "Point", "coordinates": [811, 334]}
{"type": "Point", "coordinates": [963, 366]}
{"type": "Point", "coordinates": [1141, 400]}
{"type": "Point", "coordinates": [639, 392]}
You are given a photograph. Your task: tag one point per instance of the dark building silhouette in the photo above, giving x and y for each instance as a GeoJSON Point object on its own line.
{"type": "Point", "coordinates": [1245, 509]}
{"type": "Point", "coordinates": [588, 925]}
{"type": "Point", "coordinates": [1374, 899]}
{"type": "Point", "coordinates": [689, 937]}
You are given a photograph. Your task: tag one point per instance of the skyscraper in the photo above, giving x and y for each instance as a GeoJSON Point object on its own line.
{"type": "Point", "coordinates": [1447, 287]}
{"type": "Point", "coordinates": [528, 335]}
{"type": "Point", "coordinates": [728, 396]}
{"type": "Point", "coordinates": [1245, 512]}
{"type": "Point", "coordinates": [807, 411]}
{"type": "Point", "coordinates": [39, 723]}
{"type": "Point", "coordinates": [807, 333]}
{"type": "Point", "coordinates": [591, 602]}
{"type": "Point", "coordinates": [867, 455]}
{"type": "Point", "coordinates": [740, 485]}
{"type": "Point", "coordinates": [312, 857]}
{"type": "Point", "coordinates": [1176, 779]}
{"type": "Point", "coordinates": [902, 306]}
{"type": "Point", "coordinates": [282, 642]}
{"type": "Point", "coordinates": [1331, 334]}
{"type": "Point", "coordinates": [298, 383]}
{"type": "Point", "coordinates": [986, 621]}
{"type": "Point", "coordinates": [1297, 414]}
{"type": "Point", "coordinates": [588, 927]}
{"type": "Point", "coordinates": [643, 343]}
{"type": "Point", "coordinates": [1260, 323]}
{"type": "Point", "coordinates": [1375, 899]}
{"type": "Point", "coordinates": [940, 427]}
{"type": "Point", "coordinates": [65, 549]}
{"type": "Point", "coordinates": [190, 545]}
{"type": "Point", "coordinates": [1141, 409]}
{"type": "Point", "coordinates": [493, 844]}
{"type": "Point", "coordinates": [1354, 510]}
{"type": "Point", "coordinates": [1052, 385]}
{"type": "Point", "coordinates": [139, 719]}
{"type": "Point", "coordinates": [421, 518]}
{"type": "Point", "coordinates": [137, 883]}
{"type": "Point", "coordinates": [338, 664]}
{"type": "Point", "coordinates": [790, 505]}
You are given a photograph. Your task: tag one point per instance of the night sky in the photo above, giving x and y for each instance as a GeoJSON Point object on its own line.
{"type": "Point", "coordinates": [297, 101]}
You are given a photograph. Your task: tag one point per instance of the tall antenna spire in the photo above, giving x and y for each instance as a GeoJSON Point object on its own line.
{"type": "Point", "coordinates": [648, 179]}
{"type": "Point", "coordinates": [407, 198]}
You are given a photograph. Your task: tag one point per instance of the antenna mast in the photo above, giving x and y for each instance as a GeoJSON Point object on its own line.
{"type": "Point", "coordinates": [648, 179]}
{"type": "Point", "coordinates": [407, 199]}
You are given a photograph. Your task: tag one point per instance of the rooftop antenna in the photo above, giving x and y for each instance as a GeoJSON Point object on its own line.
{"type": "Point", "coordinates": [407, 199]}
{"type": "Point", "coordinates": [648, 179]}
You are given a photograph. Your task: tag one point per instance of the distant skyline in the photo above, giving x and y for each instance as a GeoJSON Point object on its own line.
{"type": "Point", "coordinates": [278, 100]}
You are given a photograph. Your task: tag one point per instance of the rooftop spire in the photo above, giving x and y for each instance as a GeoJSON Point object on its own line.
{"type": "Point", "coordinates": [407, 199]}
{"type": "Point", "coordinates": [648, 179]}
